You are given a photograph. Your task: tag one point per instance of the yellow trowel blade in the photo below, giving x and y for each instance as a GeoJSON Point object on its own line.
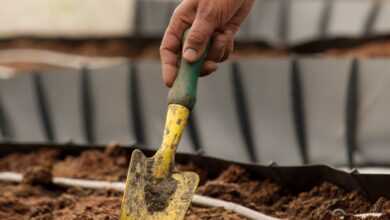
{"type": "Point", "coordinates": [149, 198]}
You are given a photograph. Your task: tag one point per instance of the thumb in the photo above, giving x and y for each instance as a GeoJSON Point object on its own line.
{"type": "Point", "coordinates": [197, 38]}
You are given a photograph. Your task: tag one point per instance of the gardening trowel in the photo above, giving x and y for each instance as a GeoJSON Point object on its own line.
{"type": "Point", "coordinates": [153, 191]}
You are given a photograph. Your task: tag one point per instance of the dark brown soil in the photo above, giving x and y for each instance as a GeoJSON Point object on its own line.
{"type": "Point", "coordinates": [266, 196]}
{"type": "Point", "coordinates": [38, 176]}
{"type": "Point", "coordinates": [37, 202]}
{"type": "Point", "coordinates": [110, 164]}
{"type": "Point", "coordinates": [37, 198]}
{"type": "Point", "coordinates": [43, 202]}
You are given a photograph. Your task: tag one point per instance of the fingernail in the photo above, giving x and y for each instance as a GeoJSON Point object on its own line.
{"type": "Point", "coordinates": [190, 54]}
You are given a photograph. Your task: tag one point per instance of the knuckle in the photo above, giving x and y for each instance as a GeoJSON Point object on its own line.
{"type": "Point", "coordinates": [233, 27]}
{"type": "Point", "coordinates": [207, 15]}
{"type": "Point", "coordinates": [176, 12]}
{"type": "Point", "coordinates": [220, 41]}
{"type": "Point", "coordinates": [162, 49]}
{"type": "Point", "coordinates": [174, 24]}
{"type": "Point", "coordinates": [182, 14]}
{"type": "Point", "coordinates": [182, 18]}
{"type": "Point", "coordinates": [180, 9]}
{"type": "Point", "coordinates": [206, 9]}
{"type": "Point", "coordinates": [196, 37]}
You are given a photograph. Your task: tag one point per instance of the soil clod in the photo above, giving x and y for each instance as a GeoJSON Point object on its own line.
{"type": "Point", "coordinates": [38, 175]}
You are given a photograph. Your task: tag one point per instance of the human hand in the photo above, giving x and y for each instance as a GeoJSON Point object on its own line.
{"type": "Point", "coordinates": [216, 20]}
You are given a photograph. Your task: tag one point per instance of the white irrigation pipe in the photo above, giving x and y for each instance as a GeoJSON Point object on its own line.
{"type": "Point", "coordinates": [242, 210]}
{"type": "Point", "coordinates": [197, 199]}
{"type": "Point", "coordinates": [120, 186]}
{"type": "Point", "coordinates": [367, 215]}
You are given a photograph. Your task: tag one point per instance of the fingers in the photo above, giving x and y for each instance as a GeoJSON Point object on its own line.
{"type": "Point", "coordinates": [220, 49]}
{"type": "Point", "coordinates": [221, 46]}
{"type": "Point", "coordinates": [234, 24]}
{"type": "Point", "coordinates": [172, 40]}
{"type": "Point", "coordinates": [199, 34]}
{"type": "Point", "coordinates": [168, 54]}
{"type": "Point", "coordinates": [223, 43]}
{"type": "Point", "coordinates": [229, 50]}
{"type": "Point", "coordinates": [217, 48]}
{"type": "Point", "coordinates": [208, 68]}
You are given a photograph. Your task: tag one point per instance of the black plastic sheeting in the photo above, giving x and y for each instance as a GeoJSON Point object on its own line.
{"type": "Point", "coordinates": [295, 178]}
{"type": "Point", "coordinates": [291, 111]}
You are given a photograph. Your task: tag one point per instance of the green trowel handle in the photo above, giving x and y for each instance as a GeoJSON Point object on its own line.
{"type": "Point", "coordinates": [183, 91]}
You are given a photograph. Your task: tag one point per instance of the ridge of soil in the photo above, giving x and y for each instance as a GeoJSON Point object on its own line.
{"type": "Point", "coordinates": [235, 184]}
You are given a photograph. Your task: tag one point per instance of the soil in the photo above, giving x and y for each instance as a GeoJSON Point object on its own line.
{"type": "Point", "coordinates": [266, 196]}
{"type": "Point", "coordinates": [37, 198]}
{"type": "Point", "coordinates": [38, 176]}
{"type": "Point", "coordinates": [110, 164]}
{"type": "Point", "coordinates": [37, 202]}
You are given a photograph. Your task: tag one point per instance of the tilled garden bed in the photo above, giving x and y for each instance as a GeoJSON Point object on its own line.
{"type": "Point", "coordinates": [26, 201]}
{"type": "Point", "coordinates": [37, 198]}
